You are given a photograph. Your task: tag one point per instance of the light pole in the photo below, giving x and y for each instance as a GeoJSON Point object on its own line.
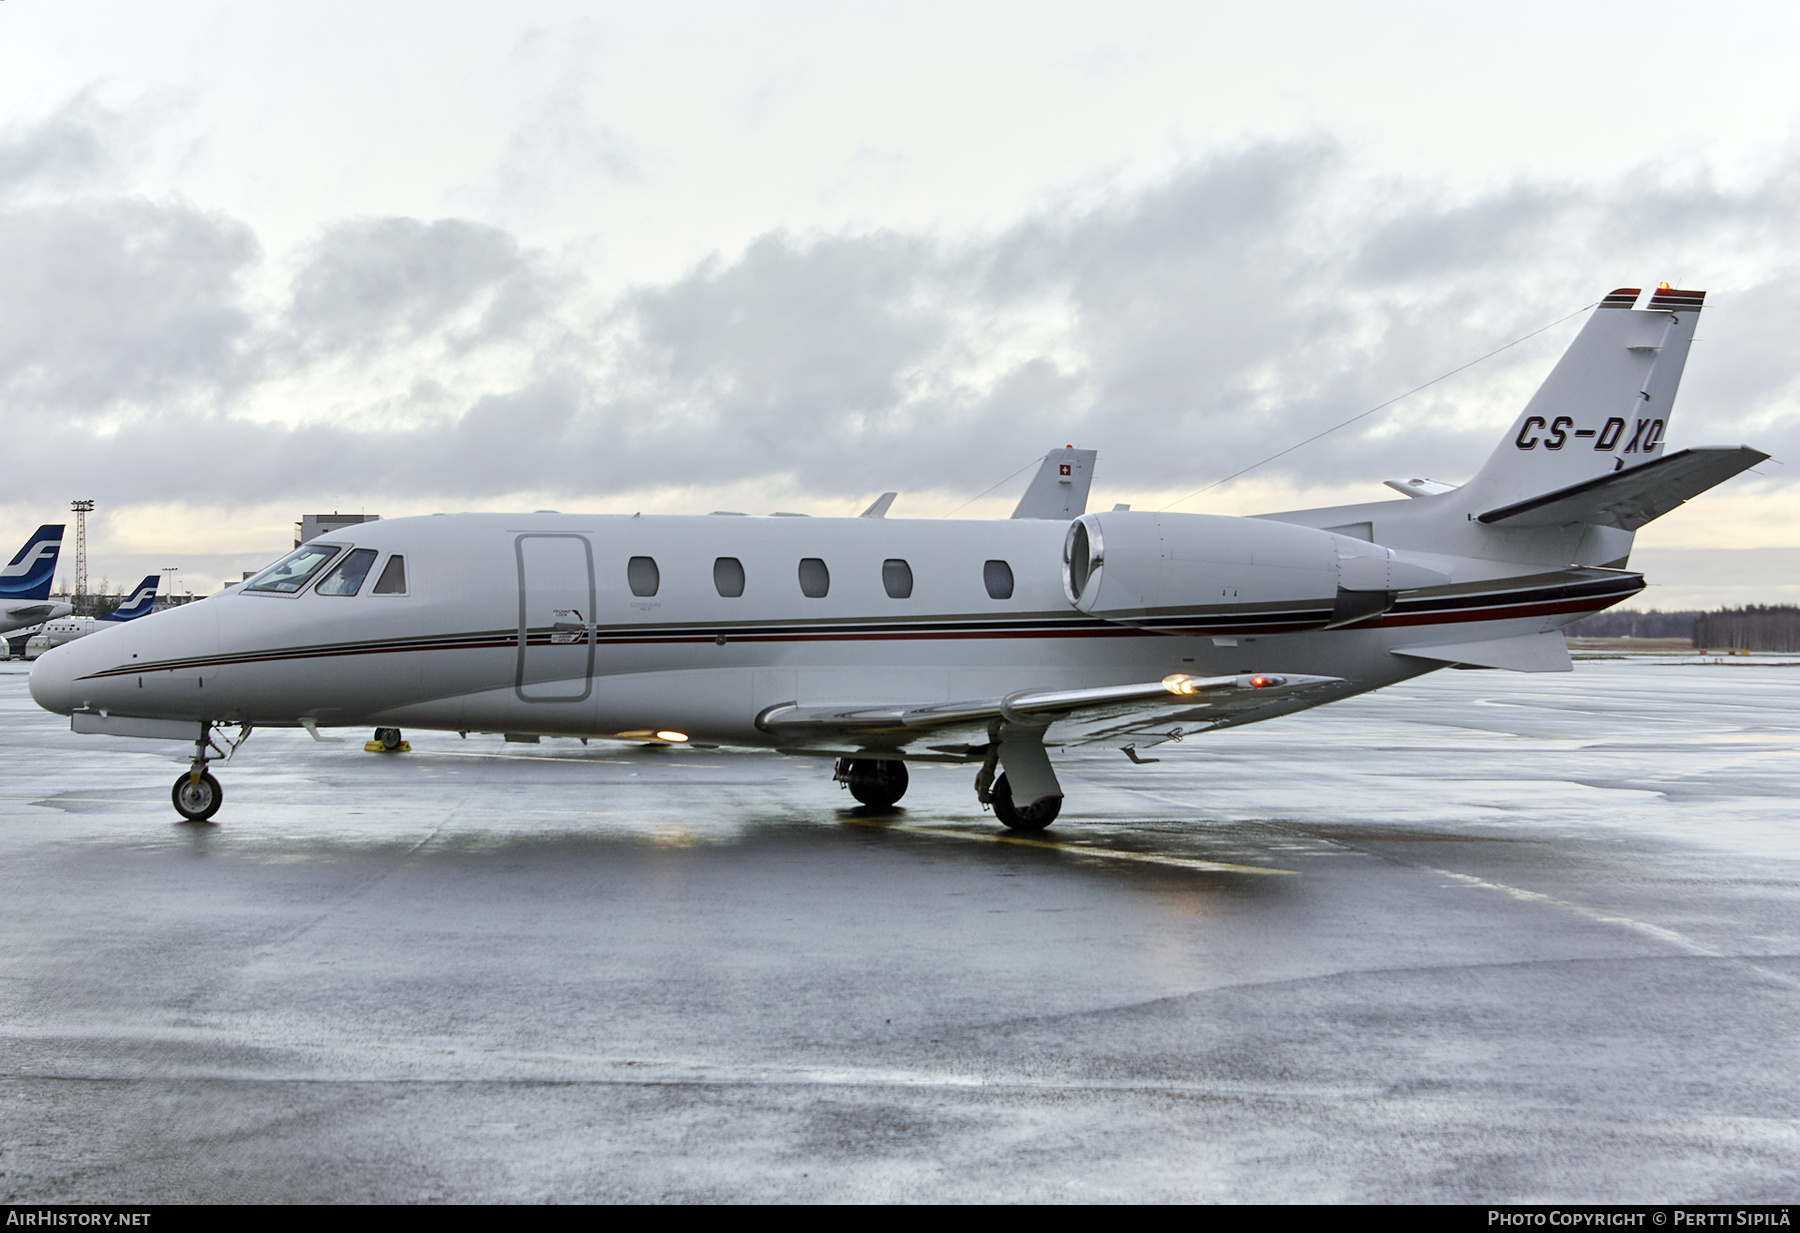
{"type": "Point", "coordinates": [170, 571]}
{"type": "Point", "coordinates": [79, 599]}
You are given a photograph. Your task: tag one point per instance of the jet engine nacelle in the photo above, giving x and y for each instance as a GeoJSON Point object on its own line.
{"type": "Point", "coordinates": [1130, 567]}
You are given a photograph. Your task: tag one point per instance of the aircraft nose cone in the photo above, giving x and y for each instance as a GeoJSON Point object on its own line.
{"type": "Point", "coordinates": [53, 680]}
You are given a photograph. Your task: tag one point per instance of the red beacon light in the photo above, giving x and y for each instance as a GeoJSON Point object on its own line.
{"type": "Point", "coordinates": [1263, 682]}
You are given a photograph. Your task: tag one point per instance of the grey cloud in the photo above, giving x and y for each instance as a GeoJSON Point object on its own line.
{"type": "Point", "coordinates": [68, 149]}
{"type": "Point", "coordinates": [1250, 300]}
{"type": "Point", "coordinates": [371, 281]}
{"type": "Point", "coordinates": [1425, 243]}
{"type": "Point", "coordinates": [793, 336]}
{"type": "Point", "coordinates": [111, 301]}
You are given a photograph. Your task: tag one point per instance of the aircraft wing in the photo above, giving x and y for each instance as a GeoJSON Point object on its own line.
{"type": "Point", "coordinates": [1081, 716]}
{"type": "Point", "coordinates": [1630, 499]}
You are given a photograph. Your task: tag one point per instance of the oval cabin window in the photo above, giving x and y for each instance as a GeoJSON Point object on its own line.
{"type": "Point", "coordinates": [896, 576]}
{"type": "Point", "coordinates": [998, 577]}
{"type": "Point", "coordinates": [642, 575]}
{"type": "Point", "coordinates": [728, 577]}
{"type": "Point", "coordinates": [815, 579]}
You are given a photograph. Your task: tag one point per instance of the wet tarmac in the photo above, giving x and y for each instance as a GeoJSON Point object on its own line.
{"type": "Point", "coordinates": [1479, 937]}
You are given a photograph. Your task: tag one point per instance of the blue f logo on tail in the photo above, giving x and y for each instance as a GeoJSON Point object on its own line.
{"type": "Point", "coordinates": [139, 603]}
{"type": "Point", "coordinates": [29, 574]}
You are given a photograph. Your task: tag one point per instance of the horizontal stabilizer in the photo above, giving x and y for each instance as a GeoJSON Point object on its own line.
{"type": "Point", "coordinates": [1530, 653]}
{"type": "Point", "coordinates": [1631, 498]}
{"type": "Point", "coordinates": [1420, 487]}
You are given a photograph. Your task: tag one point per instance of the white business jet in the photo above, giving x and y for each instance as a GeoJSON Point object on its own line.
{"type": "Point", "coordinates": [881, 641]}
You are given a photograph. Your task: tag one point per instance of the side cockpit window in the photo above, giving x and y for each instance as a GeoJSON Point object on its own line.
{"type": "Point", "coordinates": [393, 577]}
{"type": "Point", "coordinates": [347, 578]}
{"type": "Point", "coordinates": [293, 571]}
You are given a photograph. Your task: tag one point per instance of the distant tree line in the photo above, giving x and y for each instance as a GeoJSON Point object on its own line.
{"type": "Point", "coordinates": [1757, 627]}
{"type": "Point", "coordinates": [1635, 625]}
{"type": "Point", "coordinates": [98, 602]}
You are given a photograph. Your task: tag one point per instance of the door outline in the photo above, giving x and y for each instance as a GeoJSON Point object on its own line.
{"type": "Point", "coordinates": [587, 677]}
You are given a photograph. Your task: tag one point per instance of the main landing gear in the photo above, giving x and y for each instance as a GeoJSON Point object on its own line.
{"type": "Point", "coordinates": [196, 794]}
{"type": "Point", "coordinates": [1033, 817]}
{"type": "Point", "coordinates": [1026, 796]}
{"type": "Point", "coordinates": [387, 740]}
{"type": "Point", "coordinates": [879, 784]}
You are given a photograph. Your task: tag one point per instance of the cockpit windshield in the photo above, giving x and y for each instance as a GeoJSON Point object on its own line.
{"type": "Point", "coordinates": [294, 570]}
{"type": "Point", "coordinates": [348, 577]}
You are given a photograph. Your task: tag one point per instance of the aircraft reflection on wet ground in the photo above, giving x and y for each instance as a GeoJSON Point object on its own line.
{"type": "Point", "coordinates": [1470, 939]}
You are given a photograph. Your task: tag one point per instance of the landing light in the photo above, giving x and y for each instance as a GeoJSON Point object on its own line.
{"type": "Point", "coordinates": [1180, 683]}
{"type": "Point", "coordinates": [672, 737]}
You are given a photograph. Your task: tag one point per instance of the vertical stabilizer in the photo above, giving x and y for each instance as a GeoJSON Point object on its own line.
{"type": "Point", "coordinates": [29, 574]}
{"type": "Point", "coordinates": [139, 603]}
{"type": "Point", "coordinates": [1060, 488]}
{"type": "Point", "coordinates": [1605, 406]}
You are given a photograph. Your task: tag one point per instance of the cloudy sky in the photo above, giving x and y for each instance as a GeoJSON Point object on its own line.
{"type": "Point", "coordinates": [259, 260]}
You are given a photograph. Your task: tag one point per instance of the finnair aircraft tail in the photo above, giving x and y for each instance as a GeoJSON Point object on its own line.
{"type": "Point", "coordinates": [139, 603]}
{"type": "Point", "coordinates": [1581, 469]}
{"type": "Point", "coordinates": [25, 583]}
{"type": "Point", "coordinates": [29, 574]}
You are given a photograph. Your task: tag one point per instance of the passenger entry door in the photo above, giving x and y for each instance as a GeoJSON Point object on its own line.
{"type": "Point", "coordinates": [556, 587]}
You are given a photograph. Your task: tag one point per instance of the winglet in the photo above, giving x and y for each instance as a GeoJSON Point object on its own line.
{"type": "Point", "coordinates": [1060, 488]}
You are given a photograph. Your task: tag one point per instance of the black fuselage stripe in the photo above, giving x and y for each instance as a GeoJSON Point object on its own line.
{"type": "Point", "coordinates": [1426, 610]}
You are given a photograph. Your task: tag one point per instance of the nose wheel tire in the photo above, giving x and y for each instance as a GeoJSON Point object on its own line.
{"type": "Point", "coordinates": [388, 738]}
{"type": "Point", "coordinates": [879, 784]}
{"type": "Point", "coordinates": [197, 801]}
{"type": "Point", "coordinates": [1033, 817]}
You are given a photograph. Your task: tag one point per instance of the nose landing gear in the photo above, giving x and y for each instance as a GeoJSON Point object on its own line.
{"type": "Point", "coordinates": [196, 794]}
{"type": "Point", "coordinates": [197, 797]}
